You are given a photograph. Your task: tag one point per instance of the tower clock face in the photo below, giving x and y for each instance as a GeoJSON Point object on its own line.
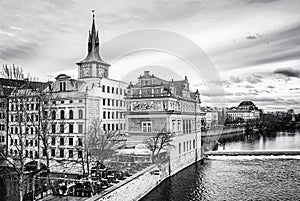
{"type": "Point", "coordinates": [100, 72]}
{"type": "Point", "coordinates": [86, 72]}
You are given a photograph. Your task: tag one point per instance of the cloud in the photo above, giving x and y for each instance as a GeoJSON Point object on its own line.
{"type": "Point", "coordinates": [253, 79]}
{"type": "Point", "coordinates": [294, 89]}
{"type": "Point", "coordinates": [235, 79]}
{"type": "Point", "coordinates": [251, 37]}
{"type": "Point", "coordinates": [288, 72]}
{"type": "Point", "coordinates": [271, 87]}
{"type": "Point", "coordinates": [260, 1]}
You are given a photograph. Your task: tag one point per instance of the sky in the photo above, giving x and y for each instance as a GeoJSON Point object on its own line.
{"type": "Point", "coordinates": [254, 45]}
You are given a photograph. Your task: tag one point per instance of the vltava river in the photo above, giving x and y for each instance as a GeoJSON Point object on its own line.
{"type": "Point", "coordinates": [239, 178]}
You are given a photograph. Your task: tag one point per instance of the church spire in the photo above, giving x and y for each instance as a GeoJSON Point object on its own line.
{"type": "Point", "coordinates": [93, 45]}
{"type": "Point", "coordinates": [93, 65]}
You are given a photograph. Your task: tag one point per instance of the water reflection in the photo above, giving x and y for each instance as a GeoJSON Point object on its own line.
{"type": "Point", "coordinates": [239, 178]}
{"type": "Point", "coordinates": [257, 141]}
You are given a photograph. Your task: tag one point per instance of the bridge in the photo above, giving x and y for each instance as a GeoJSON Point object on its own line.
{"type": "Point", "coordinates": [253, 153]}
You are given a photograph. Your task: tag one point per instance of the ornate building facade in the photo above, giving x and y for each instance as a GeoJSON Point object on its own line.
{"type": "Point", "coordinates": [156, 105]}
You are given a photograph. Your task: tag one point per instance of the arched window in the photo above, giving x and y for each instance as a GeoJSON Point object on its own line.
{"type": "Point", "coordinates": [71, 114]}
{"type": "Point", "coordinates": [53, 115]}
{"type": "Point", "coordinates": [80, 114]}
{"type": "Point", "coordinates": [62, 114]}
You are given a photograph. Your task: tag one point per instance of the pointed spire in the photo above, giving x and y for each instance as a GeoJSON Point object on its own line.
{"type": "Point", "coordinates": [93, 45]}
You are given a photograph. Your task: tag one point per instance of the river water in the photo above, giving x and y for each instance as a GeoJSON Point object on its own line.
{"type": "Point", "coordinates": [239, 177]}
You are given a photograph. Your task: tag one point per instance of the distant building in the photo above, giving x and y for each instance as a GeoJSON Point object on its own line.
{"type": "Point", "coordinates": [210, 117]}
{"type": "Point", "coordinates": [246, 110]}
{"type": "Point", "coordinates": [156, 105]}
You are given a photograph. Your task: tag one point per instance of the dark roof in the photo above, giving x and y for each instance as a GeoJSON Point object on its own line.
{"type": "Point", "coordinates": [246, 103]}
{"type": "Point", "coordinates": [93, 48]}
{"type": "Point", "coordinates": [9, 85]}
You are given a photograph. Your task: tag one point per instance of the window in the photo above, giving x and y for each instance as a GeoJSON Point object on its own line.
{"type": "Point", "coordinates": [108, 127]}
{"type": "Point", "coordinates": [16, 130]}
{"type": "Point", "coordinates": [194, 144]}
{"type": "Point", "coordinates": [53, 115]}
{"type": "Point", "coordinates": [112, 102]}
{"type": "Point", "coordinates": [103, 101]}
{"type": "Point", "coordinates": [117, 126]}
{"type": "Point", "coordinates": [61, 153]}
{"type": "Point", "coordinates": [71, 114]}
{"type": "Point", "coordinates": [62, 86]}
{"type": "Point", "coordinates": [107, 89]}
{"type": "Point", "coordinates": [53, 141]}
{"type": "Point", "coordinates": [16, 142]}
{"type": "Point", "coordinates": [80, 101]}
{"type": "Point", "coordinates": [53, 128]}
{"type": "Point", "coordinates": [108, 102]}
{"type": "Point", "coordinates": [79, 141]}
{"type": "Point", "coordinates": [31, 130]}
{"type": "Point", "coordinates": [79, 154]}
{"type": "Point", "coordinates": [183, 146]}
{"type": "Point", "coordinates": [71, 128]}
{"type": "Point", "coordinates": [179, 148]}
{"type": "Point", "coordinates": [112, 127]}
{"type": "Point", "coordinates": [62, 141]}
{"type": "Point", "coordinates": [120, 91]}
{"type": "Point", "coordinates": [12, 108]}
{"type": "Point", "coordinates": [103, 88]}
{"type": "Point", "coordinates": [53, 152]}
{"type": "Point", "coordinates": [104, 127]}
{"type": "Point", "coordinates": [80, 114]}
{"type": "Point", "coordinates": [32, 106]}
{"type": "Point", "coordinates": [36, 143]}
{"type": "Point", "coordinates": [117, 90]}
{"type": "Point", "coordinates": [70, 141]}
{"type": "Point", "coordinates": [70, 153]}
{"type": "Point", "coordinates": [117, 115]}
{"type": "Point", "coordinates": [146, 127]}
{"type": "Point", "coordinates": [62, 114]}
{"type": "Point", "coordinates": [117, 103]}
{"type": "Point", "coordinates": [104, 115]}
{"type": "Point", "coordinates": [62, 128]}
{"type": "Point", "coordinates": [112, 115]}
{"type": "Point", "coordinates": [112, 90]}
{"type": "Point", "coordinates": [80, 128]}
{"type": "Point", "coordinates": [108, 115]}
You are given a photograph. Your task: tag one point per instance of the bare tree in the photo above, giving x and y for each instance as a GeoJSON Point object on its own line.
{"type": "Point", "coordinates": [99, 145]}
{"type": "Point", "coordinates": [12, 72]}
{"type": "Point", "coordinates": [157, 142]}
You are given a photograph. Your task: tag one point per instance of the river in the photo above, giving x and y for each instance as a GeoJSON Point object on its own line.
{"type": "Point", "coordinates": [239, 177]}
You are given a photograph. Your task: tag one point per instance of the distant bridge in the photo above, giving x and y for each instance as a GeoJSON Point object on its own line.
{"type": "Point", "coordinates": [252, 153]}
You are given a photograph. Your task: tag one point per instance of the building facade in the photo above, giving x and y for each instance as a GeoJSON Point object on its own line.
{"type": "Point", "coordinates": [67, 106]}
{"type": "Point", "coordinates": [155, 105]}
{"type": "Point", "coordinates": [246, 111]}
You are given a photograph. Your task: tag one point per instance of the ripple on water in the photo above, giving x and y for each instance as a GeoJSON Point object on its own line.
{"type": "Point", "coordinates": [255, 179]}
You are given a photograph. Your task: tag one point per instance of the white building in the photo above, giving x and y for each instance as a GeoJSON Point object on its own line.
{"type": "Point", "coordinates": [74, 104]}
{"type": "Point", "coordinates": [246, 110]}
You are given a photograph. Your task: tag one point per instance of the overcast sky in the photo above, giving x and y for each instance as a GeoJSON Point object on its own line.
{"type": "Point", "coordinates": [253, 44]}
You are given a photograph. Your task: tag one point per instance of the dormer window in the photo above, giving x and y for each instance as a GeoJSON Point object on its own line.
{"type": "Point", "coordinates": [62, 86]}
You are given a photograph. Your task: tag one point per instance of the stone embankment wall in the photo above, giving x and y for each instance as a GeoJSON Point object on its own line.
{"type": "Point", "coordinates": [136, 186]}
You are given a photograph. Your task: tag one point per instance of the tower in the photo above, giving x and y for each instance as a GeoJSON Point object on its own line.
{"type": "Point", "coordinates": [92, 66]}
